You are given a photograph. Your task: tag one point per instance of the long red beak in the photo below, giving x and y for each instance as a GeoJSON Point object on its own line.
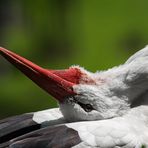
{"type": "Point", "coordinates": [58, 83]}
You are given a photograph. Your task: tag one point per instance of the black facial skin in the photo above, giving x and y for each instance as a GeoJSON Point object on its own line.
{"type": "Point", "coordinates": [86, 107]}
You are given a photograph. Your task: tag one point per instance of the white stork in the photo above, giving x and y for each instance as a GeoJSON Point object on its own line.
{"type": "Point", "coordinates": [106, 109]}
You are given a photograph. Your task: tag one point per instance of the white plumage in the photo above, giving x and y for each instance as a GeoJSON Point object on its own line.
{"type": "Point", "coordinates": [129, 131]}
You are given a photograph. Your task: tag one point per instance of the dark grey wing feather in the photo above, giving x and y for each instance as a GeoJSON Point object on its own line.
{"type": "Point", "coordinates": [49, 137]}
{"type": "Point", "coordinates": [16, 126]}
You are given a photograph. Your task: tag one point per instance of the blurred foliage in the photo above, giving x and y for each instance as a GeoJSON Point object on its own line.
{"type": "Point", "coordinates": [56, 34]}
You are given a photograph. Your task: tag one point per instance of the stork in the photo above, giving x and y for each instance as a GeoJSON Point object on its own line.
{"type": "Point", "coordinates": [105, 109]}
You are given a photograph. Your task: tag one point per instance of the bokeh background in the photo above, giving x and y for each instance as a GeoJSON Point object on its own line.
{"type": "Point", "coordinates": [96, 34]}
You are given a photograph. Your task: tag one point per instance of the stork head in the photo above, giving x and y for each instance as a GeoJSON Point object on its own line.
{"type": "Point", "coordinates": [81, 95]}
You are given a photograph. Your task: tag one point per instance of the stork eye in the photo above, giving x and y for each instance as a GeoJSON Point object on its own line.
{"type": "Point", "coordinates": [88, 107]}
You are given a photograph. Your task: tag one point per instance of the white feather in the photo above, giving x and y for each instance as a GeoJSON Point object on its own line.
{"type": "Point", "coordinates": [128, 131]}
{"type": "Point", "coordinates": [49, 117]}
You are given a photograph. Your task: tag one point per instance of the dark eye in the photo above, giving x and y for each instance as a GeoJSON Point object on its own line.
{"type": "Point", "coordinates": [88, 107]}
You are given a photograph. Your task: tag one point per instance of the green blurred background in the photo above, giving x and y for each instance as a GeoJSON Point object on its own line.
{"type": "Point", "coordinates": [96, 34]}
